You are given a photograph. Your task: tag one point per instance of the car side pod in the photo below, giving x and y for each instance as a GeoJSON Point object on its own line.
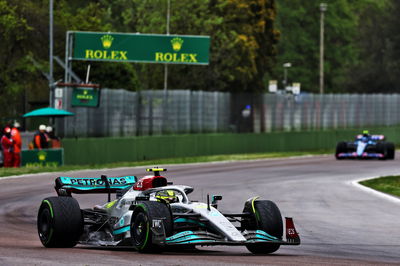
{"type": "Point", "coordinates": [292, 237]}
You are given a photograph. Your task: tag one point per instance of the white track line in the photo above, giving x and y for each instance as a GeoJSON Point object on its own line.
{"type": "Point", "coordinates": [357, 184]}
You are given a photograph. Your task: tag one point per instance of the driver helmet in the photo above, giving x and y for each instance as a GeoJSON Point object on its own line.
{"type": "Point", "coordinates": [365, 133]}
{"type": "Point", "coordinates": [168, 196]}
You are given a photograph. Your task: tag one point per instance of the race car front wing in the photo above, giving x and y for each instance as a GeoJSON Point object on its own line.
{"type": "Point", "coordinates": [207, 238]}
{"type": "Point", "coordinates": [364, 155]}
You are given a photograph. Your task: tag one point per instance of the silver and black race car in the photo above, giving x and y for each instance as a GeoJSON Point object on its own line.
{"type": "Point", "coordinates": [151, 214]}
{"type": "Point", "coordinates": [366, 146]}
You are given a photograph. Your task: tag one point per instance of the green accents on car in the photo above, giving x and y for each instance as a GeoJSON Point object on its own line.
{"type": "Point", "coordinates": [50, 208]}
{"type": "Point", "coordinates": [186, 220]}
{"type": "Point", "coordinates": [121, 230]}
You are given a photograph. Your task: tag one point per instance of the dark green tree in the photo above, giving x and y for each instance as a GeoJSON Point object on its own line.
{"type": "Point", "coordinates": [242, 42]}
{"type": "Point", "coordinates": [299, 24]}
{"type": "Point", "coordinates": [378, 64]}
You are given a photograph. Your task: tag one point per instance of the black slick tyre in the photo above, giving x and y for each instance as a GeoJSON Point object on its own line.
{"type": "Point", "coordinates": [142, 219]}
{"type": "Point", "coordinates": [341, 147]}
{"type": "Point", "coordinates": [390, 150]}
{"type": "Point", "coordinates": [382, 148]}
{"type": "Point", "coordinates": [268, 218]}
{"type": "Point", "coordinates": [59, 222]}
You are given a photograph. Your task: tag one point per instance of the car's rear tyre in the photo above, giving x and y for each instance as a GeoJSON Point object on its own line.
{"type": "Point", "coordinates": [59, 222]}
{"type": "Point", "coordinates": [341, 147]}
{"type": "Point", "coordinates": [142, 220]}
{"type": "Point", "coordinates": [268, 218]}
{"type": "Point", "coordinates": [390, 150]}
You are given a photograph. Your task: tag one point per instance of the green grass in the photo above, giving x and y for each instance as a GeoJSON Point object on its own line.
{"type": "Point", "coordinates": [387, 184]}
{"type": "Point", "coordinates": [159, 162]}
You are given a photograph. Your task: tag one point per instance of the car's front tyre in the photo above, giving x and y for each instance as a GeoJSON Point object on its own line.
{"type": "Point", "coordinates": [141, 223]}
{"type": "Point", "coordinates": [268, 218]}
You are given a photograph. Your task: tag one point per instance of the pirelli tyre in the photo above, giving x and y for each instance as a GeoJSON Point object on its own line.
{"type": "Point", "coordinates": [59, 222]}
{"type": "Point", "coordinates": [341, 147]}
{"type": "Point", "coordinates": [390, 148]}
{"type": "Point", "coordinates": [267, 217]}
{"type": "Point", "coordinates": [382, 147]}
{"type": "Point", "coordinates": [142, 220]}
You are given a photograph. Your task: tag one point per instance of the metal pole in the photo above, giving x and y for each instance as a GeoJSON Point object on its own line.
{"type": "Point", "coordinates": [284, 77]}
{"type": "Point", "coordinates": [168, 15]}
{"type": "Point", "coordinates": [285, 69]}
{"type": "Point", "coordinates": [165, 115]}
{"type": "Point", "coordinates": [87, 74]}
{"type": "Point", "coordinates": [166, 65]}
{"type": "Point", "coordinates": [51, 80]}
{"type": "Point", "coordinates": [323, 7]}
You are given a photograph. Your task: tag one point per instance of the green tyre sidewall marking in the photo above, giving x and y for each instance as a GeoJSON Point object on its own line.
{"type": "Point", "coordinates": [147, 227]}
{"type": "Point", "coordinates": [257, 215]}
{"type": "Point", "coordinates": [52, 216]}
{"type": "Point", "coordinates": [50, 207]}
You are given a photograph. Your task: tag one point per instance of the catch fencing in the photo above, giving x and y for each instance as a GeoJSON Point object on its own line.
{"type": "Point", "coordinates": [153, 112]}
{"type": "Point", "coordinates": [156, 112]}
{"type": "Point", "coordinates": [331, 111]}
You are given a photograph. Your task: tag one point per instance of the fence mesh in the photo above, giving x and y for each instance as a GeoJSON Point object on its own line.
{"type": "Point", "coordinates": [156, 112]}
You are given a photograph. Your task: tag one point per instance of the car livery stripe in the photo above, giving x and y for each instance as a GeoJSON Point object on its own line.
{"type": "Point", "coordinates": [265, 237]}
{"type": "Point", "coordinates": [179, 235]}
{"type": "Point", "coordinates": [121, 230]}
{"type": "Point", "coordinates": [185, 220]}
{"type": "Point", "coordinates": [190, 238]}
{"type": "Point", "coordinates": [195, 241]}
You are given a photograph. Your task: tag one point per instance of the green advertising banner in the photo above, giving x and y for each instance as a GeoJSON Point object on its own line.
{"type": "Point", "coordinates": [39, 158]}
{"type": "Point", "coordinates": [85, 97]}
{"type": "Point", "coordinates": [146, 48]}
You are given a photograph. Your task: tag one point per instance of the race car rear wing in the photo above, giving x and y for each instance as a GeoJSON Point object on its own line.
{"type": "Point", "coordinates": [86, 185]}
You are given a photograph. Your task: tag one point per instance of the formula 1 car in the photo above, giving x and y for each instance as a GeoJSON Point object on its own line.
{"type": "Point", "coordinates": [366, 146]}
{"type": "Point", "coordinates": [151, 214]}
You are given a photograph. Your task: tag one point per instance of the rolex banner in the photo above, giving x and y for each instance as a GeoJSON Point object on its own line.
{"type": "Point", "coordinates": [41, 158]}
{"type": "Point", "coordinates": [85, 97]}
{"type": "Point", "coordinates": [145, 48]}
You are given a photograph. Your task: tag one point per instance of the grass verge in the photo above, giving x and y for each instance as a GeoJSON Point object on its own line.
{"type": "Point", "coordinates": [159, 162]}
{"type": "Point", "coordinates": [387, 184]}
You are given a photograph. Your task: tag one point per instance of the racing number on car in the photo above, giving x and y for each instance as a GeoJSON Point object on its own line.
{"type": "Point", "coordinates": [291, 231]}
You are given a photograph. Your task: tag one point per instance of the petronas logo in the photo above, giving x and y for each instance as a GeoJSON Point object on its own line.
{"type": "Point", "coordinates": [176, 43]}
{"type": "Point", "coordinates": [107, 41]}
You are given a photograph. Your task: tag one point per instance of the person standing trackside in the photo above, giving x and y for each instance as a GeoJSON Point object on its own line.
{"type": "Point", "coordinates": [17, 142]}
{"type": "Point", "coordinates": [7, 147]}
{"type": "Point", "coordinates": [41, 140]}
{"type": "Point", "coordinates": [54, 140]}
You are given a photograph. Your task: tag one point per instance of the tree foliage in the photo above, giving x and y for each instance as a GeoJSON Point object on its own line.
{"type": "Point", "coordinates": [360, 40]}
{"type": "Point", "coordinates": [250, 41]}
{"type": "Point", "coordinates": [378, 64]}
{"type": "Point", "coordinates": [299, 23]}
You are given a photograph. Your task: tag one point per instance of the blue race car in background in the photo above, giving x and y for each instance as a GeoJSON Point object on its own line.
{"type": "Point", "coordinates": [366, 146]}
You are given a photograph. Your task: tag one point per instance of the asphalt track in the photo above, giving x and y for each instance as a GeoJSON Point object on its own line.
{"type": "Point", "coordinates": [338, 222]}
